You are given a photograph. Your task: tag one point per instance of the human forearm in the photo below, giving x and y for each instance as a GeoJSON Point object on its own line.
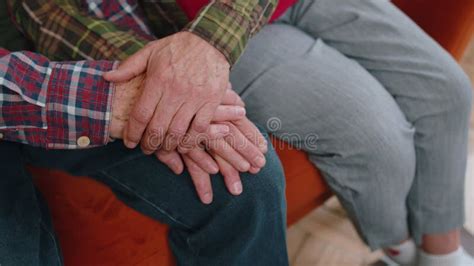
{"type": "Point", "coordinates": [228, 25]}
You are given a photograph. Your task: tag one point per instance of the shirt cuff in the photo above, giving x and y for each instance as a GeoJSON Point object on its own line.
{"type": "Point", "coordinates": [223, 27]}
{"type": "Point", "coordinates": [79, 105]}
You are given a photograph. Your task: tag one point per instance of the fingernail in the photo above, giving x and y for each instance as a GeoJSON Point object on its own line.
{"type": "Point", "coordinates": [214, 169]}
{"type": "Point", "coordinates": [207, 198]}
{"type": "Point", "coordinates": [240, 111]}
{"type": "Point", "coordinates": [223, 129]}
{"type": "Point", "coordinates": [254, 170]}
{"type": "Point", "coordinates": [260, 161]}
{"type": "Point", "coordinates": [130, 144]}
{"type": "Point", "coordinates": [237, 187]}
{"type": "Point", "coordinates": [174, 166]}
{"type": "Point", "coordinates": [147, 152]}
{"type": "Point", "coordinates": [244, 166]}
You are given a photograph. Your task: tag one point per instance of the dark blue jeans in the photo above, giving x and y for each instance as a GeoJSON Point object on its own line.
{"type": "Point", "coordinates": [245, 230]}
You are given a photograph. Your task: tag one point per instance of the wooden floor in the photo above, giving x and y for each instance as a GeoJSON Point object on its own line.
{"type": "Point", "coordinates": [326, 237]}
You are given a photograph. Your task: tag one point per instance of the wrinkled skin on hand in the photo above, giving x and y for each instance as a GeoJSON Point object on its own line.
{"type": "Point", "coordinates": [185, 81]}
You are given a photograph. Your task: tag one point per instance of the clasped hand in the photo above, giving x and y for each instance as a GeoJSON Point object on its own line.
{"type": "Point", "coordinates": [174, 99]}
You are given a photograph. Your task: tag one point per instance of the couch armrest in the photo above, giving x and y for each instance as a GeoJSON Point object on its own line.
{"type": "Point", "coordinates": [451, 23]}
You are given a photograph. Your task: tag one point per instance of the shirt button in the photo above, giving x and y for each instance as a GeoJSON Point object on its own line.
{"type": "Point", "coordinates": [83, 141]}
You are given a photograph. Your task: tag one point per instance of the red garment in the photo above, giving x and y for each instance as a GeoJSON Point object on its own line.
{"type": "Point", "coordinates": [191, 7]}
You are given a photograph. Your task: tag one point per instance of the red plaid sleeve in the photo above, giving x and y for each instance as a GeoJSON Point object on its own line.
{"type": "Point", "coordinates": [56, 105]}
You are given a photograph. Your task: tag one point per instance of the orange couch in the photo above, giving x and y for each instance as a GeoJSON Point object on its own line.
{"type": "Point", "coordinates": [94, 228]}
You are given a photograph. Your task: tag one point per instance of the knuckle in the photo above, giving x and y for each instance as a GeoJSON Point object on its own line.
{"type": "Point", "coordinates": [156, 131]}
{"type": "Point", "coordinates": [177, 131]}
{"type": "Point", "coordinates": [146, 146]}
{"type": "Point", "coordinates": [153, 138]}
{"type": "Point", "coordinates": [142, 114]}
{"type": "Point", "coordinates": [185, 146]}
{"type": "Point", "coordinates": [200, 126]}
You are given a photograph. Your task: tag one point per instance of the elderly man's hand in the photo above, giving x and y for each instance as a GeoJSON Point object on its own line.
{"type": "Point", "coordinates": [185, 81]}
{"type": "Point", "coordinates": [127, 93]}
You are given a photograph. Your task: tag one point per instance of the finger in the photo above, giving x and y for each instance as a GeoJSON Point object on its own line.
{"type": "Point", "coordinates": [133, 66]}
{"type": "Point", "coordinates": [199, 125]}
{"type": "Point", "coordinates": [201, 180]}
{"type": "Point", "coordinates": [231, 176]}
{"type": "Point", "coordinates": [142, 112]}
{"type": "Point", "coordinates": [228, 113]}
{"type": "Point", "coordinates": [203, 160]}
{"type": "Point", "coordinates": [232, 98]}
{"type": "Point", "coordinates": [158, 125]}
{"type": "Point", "coordinates": [215, 131]}
{"type": "Point", "coordinates": [224, 150]}
{"type": "Point", "coordinates": [172, 159]}
{"type": "Point", "coordinates": [247, 149]}
{"type": "Point", "coordinates": [254, 170]}
{"type": "Point", "coordinates": [178, 127]}
{"type": "Point", "coordinates": [252, 133]}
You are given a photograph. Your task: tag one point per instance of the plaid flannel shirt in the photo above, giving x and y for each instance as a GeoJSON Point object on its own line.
{"type": "Point", "coordinates": [54, 105]}
{"type": "Point", "coordinates": [95, 29]}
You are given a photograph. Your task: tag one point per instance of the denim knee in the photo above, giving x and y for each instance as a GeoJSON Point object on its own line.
{"type": "Point", "coordinates": [252, 225]}
{"type": "Point", "coordinates": [265, 191]}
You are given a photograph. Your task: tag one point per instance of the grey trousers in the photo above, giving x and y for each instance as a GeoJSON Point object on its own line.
{"type": "Point", "coordinates": [388, 107]}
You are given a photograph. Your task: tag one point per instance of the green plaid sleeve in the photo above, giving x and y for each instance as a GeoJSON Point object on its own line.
{"type": "Point", "coordinates": [60, 31]}
{"type": "Point", "coordinates": [228, 25]}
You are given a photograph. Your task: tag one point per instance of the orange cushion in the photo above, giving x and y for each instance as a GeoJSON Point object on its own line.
{"type": "Point", "coordinates": [95, 228]}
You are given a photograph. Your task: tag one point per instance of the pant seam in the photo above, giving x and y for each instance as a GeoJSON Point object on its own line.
{"type": "Point", "coordinates": [154, 206]}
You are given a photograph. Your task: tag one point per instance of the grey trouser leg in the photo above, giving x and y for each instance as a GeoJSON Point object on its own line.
{"type": "Point", "coordinates": [389, 107]}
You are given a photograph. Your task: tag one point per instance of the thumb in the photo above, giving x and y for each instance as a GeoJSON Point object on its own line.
{"type": "Point", "coordinates": [129, 68]}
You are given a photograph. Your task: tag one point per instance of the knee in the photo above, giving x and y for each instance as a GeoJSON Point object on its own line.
{"type": "Point", "coordinates": [385, 147]}
{"type": "Point", "coordinates": [456, 94]}
{"type": "Point", "coordinates": [265, 191]}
